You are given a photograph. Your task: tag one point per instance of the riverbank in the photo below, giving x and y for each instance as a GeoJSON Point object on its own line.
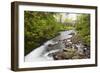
{"type": "Point", "coordinates": [62, 47]}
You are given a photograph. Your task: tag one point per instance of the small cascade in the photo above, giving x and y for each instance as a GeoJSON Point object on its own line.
{"type": "Point", "coordinates": [46, 51]}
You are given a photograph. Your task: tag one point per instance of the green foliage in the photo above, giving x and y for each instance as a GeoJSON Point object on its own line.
{"type": "Point", "coordinates": [43, 26]}
{"type": "Point", "coordinates": [83, 28]}
{"type": "Point", "coordinates": [68, 20]}
{"type": "Point", "coordinates": [40, 27]}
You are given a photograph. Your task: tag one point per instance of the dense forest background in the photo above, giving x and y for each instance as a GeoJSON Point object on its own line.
{"type": "Point", "coordinates": [42, 26]}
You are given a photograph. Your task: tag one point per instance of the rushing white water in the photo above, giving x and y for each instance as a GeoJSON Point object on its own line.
{"type": "Point", "coordinates": [40, 53]}
{"type": "Point", "coordinates": [37, 54]}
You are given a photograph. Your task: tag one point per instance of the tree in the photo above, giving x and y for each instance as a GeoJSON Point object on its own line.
{"type": "Point", "coordinates": [39, 27]}
{"type": "Point", "coordinates": [83, 28]}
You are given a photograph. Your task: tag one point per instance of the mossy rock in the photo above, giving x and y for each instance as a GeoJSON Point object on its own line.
{"type": "Point", "coordinates": [69, 49]}
{"type": "Point", "coordinates": [68, 55]}
{"type": "Point", "coordinates": [76, 57]}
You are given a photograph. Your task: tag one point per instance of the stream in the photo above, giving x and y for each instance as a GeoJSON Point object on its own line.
{"type": "Point", "coordinates": [43, 53]}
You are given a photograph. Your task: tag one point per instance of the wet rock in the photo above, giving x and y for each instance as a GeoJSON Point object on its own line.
{"type": "Point", "coordinates": [72, 33]}
{"type": "Point", "coordinates": [69, 54]}
{"type": "Point", "coordinates": [58, 56]}
{"type": "Point", "coordinates": [50, 55]}
{"type": "Point", "coordinates": [65, 54]}
{"type": "Point", "coordinates": [76, 57]}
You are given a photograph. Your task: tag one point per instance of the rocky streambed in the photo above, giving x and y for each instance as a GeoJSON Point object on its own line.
{"type": "Point", "coordinates": [63, 47]}
{"type": "Point", "coordinates": [71, 51]}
